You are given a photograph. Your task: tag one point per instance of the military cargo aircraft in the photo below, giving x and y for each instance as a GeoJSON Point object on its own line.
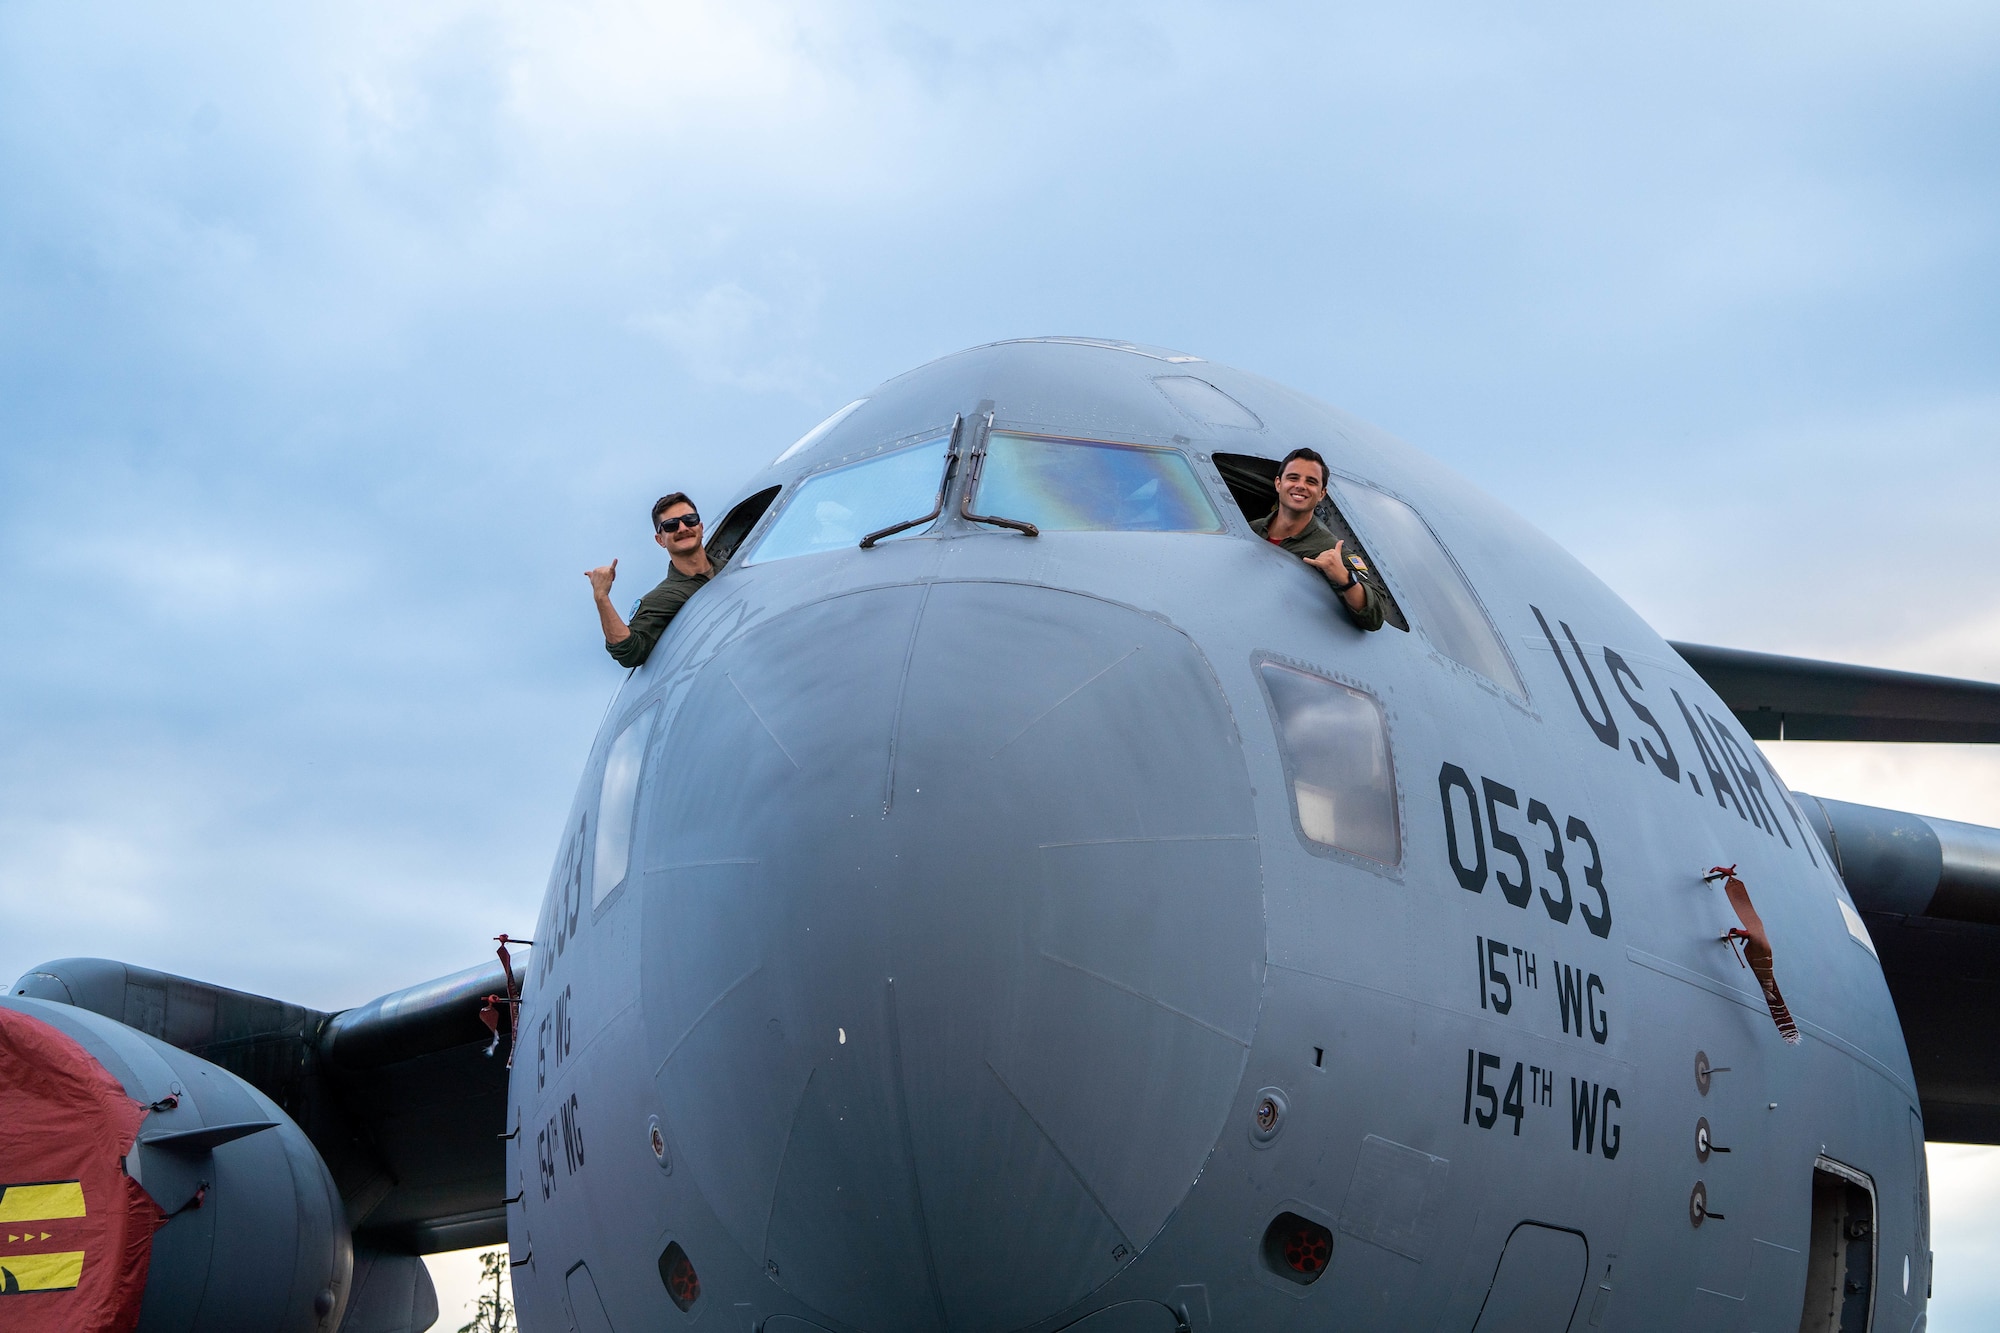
{"type": "Point", "coordinates": [1013, 897]}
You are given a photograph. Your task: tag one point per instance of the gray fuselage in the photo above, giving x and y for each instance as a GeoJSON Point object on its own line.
{"type": "Point", "coordinates": [984, 961]}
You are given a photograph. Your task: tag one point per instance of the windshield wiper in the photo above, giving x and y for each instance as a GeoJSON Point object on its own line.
{"type": "Point", "coordinates": [944, 485]}
{"type": "Point", "coordinates": [972, 485]}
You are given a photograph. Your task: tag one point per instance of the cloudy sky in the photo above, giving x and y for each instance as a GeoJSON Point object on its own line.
{"type": "Point", "coordinates": [336, 341]}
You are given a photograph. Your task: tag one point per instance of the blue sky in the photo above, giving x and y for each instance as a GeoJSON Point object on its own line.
{"type": "Point", "coordinates": [336, 341]}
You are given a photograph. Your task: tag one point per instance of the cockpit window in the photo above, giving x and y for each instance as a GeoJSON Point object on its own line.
{"type": "Point", "coordinates": [840, 507]}
{"type": "Point", "coordinates": [736, 525]}
{"type": "Point", "coordinates": [1064, 485]}
{"type": "Point", "coordinates": [616, 797]}
{"type": "Point", "coordinates": [1336, 747]}
{"type": "Point", "coordinates": [1430, 585]}
{"type": "Point", "coordinates": [1205, 403]}
{"type": "Point", "coordinates": [1252, 484]}
{"type": "Point", "coordinates": [819, 432]}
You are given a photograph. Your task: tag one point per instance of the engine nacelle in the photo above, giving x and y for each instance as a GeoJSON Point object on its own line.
{"type": "Point", "coordinates": [139, 1180]}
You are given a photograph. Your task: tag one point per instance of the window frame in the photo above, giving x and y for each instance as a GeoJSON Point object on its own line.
{"type": "Point", "coordinates": [1391, 871]}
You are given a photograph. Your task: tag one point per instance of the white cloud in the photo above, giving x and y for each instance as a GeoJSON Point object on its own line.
{"type": "Point", "coordinates": [733, 336]}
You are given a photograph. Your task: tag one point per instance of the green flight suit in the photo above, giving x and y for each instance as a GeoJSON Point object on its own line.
{"type": "Point", "coordinates": [654, 612]}
{"type": "Point", "coordinates": [1318, 538]}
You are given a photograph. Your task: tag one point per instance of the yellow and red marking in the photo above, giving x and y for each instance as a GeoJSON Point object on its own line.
{"type": "Point", "coordinates": [32, 1256]}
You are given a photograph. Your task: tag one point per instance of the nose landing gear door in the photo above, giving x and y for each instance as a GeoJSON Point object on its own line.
{"type": "Point", "coordinates": [1840, 1269]}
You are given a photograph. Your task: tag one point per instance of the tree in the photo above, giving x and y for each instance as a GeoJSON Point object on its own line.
{"type": "Point", "coordinates": [495, 1313]}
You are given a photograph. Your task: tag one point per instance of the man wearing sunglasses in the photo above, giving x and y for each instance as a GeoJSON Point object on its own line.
{"type": "Point", "coordinates": [677, 527]}
{"type": "Point", "coordinates": [1294, 526]}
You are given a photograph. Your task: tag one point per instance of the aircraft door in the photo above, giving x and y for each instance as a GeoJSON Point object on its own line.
{"type": "Point", "coordinates": [586, 1307]}
{"type": "Point", "coordinates": [1840, 1272]}
{"type": "Point", "coordinates": [1538, 1282]}
{"type": "Point", "coordinates": [1128, 1317]}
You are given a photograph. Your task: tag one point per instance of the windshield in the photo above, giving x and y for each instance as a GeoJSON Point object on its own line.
{"type": "Point", "coordinates": [840, 507]}
{"type": "Point", "coordinates": [1086, 485]}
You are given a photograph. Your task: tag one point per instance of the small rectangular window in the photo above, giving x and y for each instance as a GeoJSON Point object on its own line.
{"type": "Point", "coordinates": [617, 796]}
{"type": "Point", "coordinates": [1063, 485]}
{"type": "Point", "coordinates": [839, 507]}
{"type": "Point", "coordinates": [1336, 749]}
{"type": "Point", "coordinates": [1432, 588]}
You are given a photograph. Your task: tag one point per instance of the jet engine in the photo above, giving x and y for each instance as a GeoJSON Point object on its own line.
{"type": "Point", "coordinates": [141, 1186]}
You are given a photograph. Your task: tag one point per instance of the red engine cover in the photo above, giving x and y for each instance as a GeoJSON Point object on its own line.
{"type": "Point", "coordinates": [76, 1232]}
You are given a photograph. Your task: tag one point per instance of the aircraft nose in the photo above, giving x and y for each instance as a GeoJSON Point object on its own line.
{"type": "Point", "coordinates": [953, 945]}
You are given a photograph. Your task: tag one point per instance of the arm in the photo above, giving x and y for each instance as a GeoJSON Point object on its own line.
{"type": "Point", "coordinates": [615, 628]}
{"type": "Point", "coordinates": [655, 612]}
{"type": "Point", "coordinates": [1357, 595]}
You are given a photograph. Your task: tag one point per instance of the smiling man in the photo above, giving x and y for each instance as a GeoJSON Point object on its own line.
{"type": "Point", "coordinates": [677, 527]}
{"type": "Point", "coordinates": [1293, 525]}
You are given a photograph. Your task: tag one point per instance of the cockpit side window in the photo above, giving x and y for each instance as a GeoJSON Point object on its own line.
{"type": "Point", "coordinates": [1337, 762]}
{"type": "Point", "coordinates": [1252, 483]}
{"type": "Point", "coordinates": [729, 534]}
{"type": "Point", "coordinates": [1432, 585]}
{"type": "Point", "coordinates": [1068, 485]}
{"type": "Point", "coordinates": [839, 507]}
{"type": "Point", "coordinates": [617, 798]}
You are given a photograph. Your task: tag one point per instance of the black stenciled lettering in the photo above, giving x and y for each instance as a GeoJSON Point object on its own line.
{"type": "Point", "coordinates": [1582, 1116]}
{"type": "Point", "coordinates": [572, 1135]}
{"type": "Point", "coordinates": [1512, 1107]}
{"type": "Point", "coordinates": [574, 906]}
{"type": "Point", "coordinates": [1600, 1021]}
{"type": "Point", "coordinates": [1751, 808]}
{"type": "Point", "coordinates": [1599, 921]}
{"type": "Point", "coordinates": [1471, 878]}
{"type": "Point", "coordinates": [1496, 956]}
{"type": "Point", "coordinates": [558, 920]}
{"type": "Point", "coordinates": [1806, 837]}
{"type": "Point", "coordinates": [1747, 780]}
{"type": "Point", "coordinates": [1506, 844]}
{"type": "Point", "coordinates": [1606, 730]}
{"type": "Point", "coordinates": [545, 1156]}
{"type": "Point", "coordinates": [1553, 858]}
{"type": "Point", "coordinates": [1479, 966]}
{"type": "Point", "coordinates": [1469, 1055]}
{"type": "Point", "coordinates": [1612, 1132]}
{"type": "Point", "coordinates": [1718, 781]}
{"type": "Point", "coordinates": [1620, 672]}
{"type": "Point", "coordinates": [1487, 1093]}
{"type": "Point", "coordinates": [1569, 997]}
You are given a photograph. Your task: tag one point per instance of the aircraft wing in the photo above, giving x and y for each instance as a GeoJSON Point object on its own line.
{"type": "Point", "coordinates": [398, 1095]}
{"type": "Point", "coordinates": [1799, 699]}
{"type": "Point", "coordinates": [1927, 889]}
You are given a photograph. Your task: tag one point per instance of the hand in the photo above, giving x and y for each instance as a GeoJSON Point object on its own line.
{"type": "Point", "coordinates": [1332, 564]}
{"type": "Point", "coordinates": [601, 577]}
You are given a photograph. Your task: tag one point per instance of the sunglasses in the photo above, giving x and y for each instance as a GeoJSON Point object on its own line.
{"type": "Point", "coordinates": [678, 522]}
